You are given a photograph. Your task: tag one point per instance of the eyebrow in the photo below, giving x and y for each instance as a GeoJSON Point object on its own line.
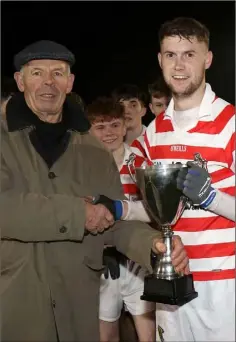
{"type": "Point", "coordinates": [40, 68]}
{"type": "Point", "coordinates": [174, 53]}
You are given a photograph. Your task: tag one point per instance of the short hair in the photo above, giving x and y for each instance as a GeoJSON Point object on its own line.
{"type": "Point", "coordinates": [185, 28]}
{"type": "Point", "coordinates": [8, 88]}
{"type": "Point", "coordinates": [159, 89]}
{"type": "Point", "coordinates": [105, 109]}
{"type": "Point", "coordinates": [128, 92]}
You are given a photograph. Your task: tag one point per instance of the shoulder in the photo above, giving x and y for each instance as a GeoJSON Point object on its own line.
{"type": "Point", "coordinates": [139, 159]}
{"type": "Point", "coordinates": [4, 128]}
{"type": "Point", "coordinates": [85, 138]}
{"type": "Point", "coordinates": [222, 110]}
{"type": "Point", "coordinates": [152, 127]}
{"type": "Point", "coordinates": [91, 148]}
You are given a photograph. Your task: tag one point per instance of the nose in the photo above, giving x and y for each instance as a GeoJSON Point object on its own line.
{"type": "Point", "coordinates": [127, 111]}
{"type": "Point", "coordinates": [48, 80]}
{"type": "Point", "coordinates": [179, 63]}
{"type": "Point", "coordinates": [109, 131]}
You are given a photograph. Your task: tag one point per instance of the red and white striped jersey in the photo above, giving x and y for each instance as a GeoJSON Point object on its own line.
{"type": "Point", "coordinates": [209, 239]}
{"type": "Point", "coordinates": [131, 190]}
{"type": "Point", "coordinates": [137, 145]}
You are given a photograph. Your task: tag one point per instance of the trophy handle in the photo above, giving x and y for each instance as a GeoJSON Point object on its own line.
{"type": "Point", "coordinates": [198, 160]}
{"type": "Point", "coordinates": [131, 167]}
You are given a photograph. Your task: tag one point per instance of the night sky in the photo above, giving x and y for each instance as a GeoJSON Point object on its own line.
{"type": "Point", "coordinates": [117, 42]}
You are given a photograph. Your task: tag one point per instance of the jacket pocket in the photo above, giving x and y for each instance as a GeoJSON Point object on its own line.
{"type": "Point", "coordinates": [94, 264]}
{"type": "Point", "coordinates": [14, 255]}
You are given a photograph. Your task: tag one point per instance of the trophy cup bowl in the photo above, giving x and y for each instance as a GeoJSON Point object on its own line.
{"type": "Point", "coordinates": [165, 204]}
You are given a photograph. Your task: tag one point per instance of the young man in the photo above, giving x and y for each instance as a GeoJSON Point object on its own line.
{"type": "Point", "coordinates": [134, 103]}
{"type": "Point", "coordinates": [159, 95]}
{"type": "Point", "coordinates": [196, 120]}
{"type": "Point", "coordinates": [108, 126]}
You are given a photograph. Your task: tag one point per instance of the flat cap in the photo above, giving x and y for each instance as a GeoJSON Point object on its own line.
{"type": "Point", "coordinates": [43, 49]}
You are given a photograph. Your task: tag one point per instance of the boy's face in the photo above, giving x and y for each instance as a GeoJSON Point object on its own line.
{"type": "Point", "coordinates": [134, 111]}
{"type": "Point", "coordinates": [158, 105]}
{"type": "Point", "coordinates": [109, 133]}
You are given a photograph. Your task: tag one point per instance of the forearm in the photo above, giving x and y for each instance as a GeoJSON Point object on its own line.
{"type": "Point", "coordinates": [34, 217]}
{"type": "Point", "coordinates": [223, 205]}
{"type": "Point", "coordinates": [134, 239]}
{"type": "Point", "coordinates": [135, 210]}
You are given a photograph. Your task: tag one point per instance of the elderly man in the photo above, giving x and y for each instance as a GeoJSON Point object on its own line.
{"type": "Point", "coordinates": [52, 239]}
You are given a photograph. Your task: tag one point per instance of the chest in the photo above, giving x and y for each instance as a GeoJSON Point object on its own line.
{"type": "Point", "coordinates": [168, 147]}
{"type": "Point", "coordinates": [73, 173]}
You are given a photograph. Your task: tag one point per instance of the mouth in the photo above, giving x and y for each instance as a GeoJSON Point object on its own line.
{"type": "Point", "coordinates": [180, 77]}
{"type": "Point", "coordinates": [48, 96]}
{"type": "Point", "coordinates": [110, 141]}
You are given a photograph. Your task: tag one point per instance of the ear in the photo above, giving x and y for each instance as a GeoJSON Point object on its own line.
{"type": "Point", "coordinates": [208, 60]}
{"type": "Point", "coordinates": [71, 79]}
{"type": "Point", "coordinates": [143, 111]}
{"type": "Point", "coordinates": [151, 107]}
{"type": "Point", "coordinates": [18, 76]}
{"type": "Point", "coordinates": [124, 130]}
{"type": "Point", "coordinates": [159, 59]}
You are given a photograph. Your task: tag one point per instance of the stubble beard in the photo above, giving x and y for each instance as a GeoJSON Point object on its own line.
{"type": "Point", "coordinates": [191, 89]}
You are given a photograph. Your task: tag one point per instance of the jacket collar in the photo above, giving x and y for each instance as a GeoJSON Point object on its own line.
{"type": "Point", "coordinates": [19, 116]}
{"type": "Point", "coordinates": [205, 106]}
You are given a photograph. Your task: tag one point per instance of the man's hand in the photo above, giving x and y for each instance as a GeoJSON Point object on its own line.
{"type": "Point", "coordinates": [196, 185]}
{"type": "Point", "coordinates": [179, 256]}
{"type": "Point", "coordinates": [116, 207]}
{"type": "Point", "coordinates": [98, 218]}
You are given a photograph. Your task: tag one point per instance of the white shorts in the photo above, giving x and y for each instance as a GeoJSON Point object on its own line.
{"type": "Point", "coordinates": [126, 290]}
{"type": "Point", "coordinates": [209, 317]}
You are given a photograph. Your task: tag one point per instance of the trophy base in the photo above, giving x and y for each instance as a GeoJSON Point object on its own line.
{"type": "Point", "coordinates": [177, 291]}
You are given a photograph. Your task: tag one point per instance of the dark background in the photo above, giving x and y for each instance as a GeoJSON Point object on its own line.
{"type": "Point", "coordinates": [117, 42]}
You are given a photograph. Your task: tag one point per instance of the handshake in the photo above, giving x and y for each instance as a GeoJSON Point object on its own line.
{"type": "Point", "coordinates": [102, 212]}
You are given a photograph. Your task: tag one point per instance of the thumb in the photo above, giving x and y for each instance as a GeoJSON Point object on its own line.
{"type": "Point", "coordinates": [160, 247]}
{"type": "Point", "coordinates": [191, 164]}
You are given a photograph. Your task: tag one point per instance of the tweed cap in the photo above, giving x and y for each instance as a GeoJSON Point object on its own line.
{"type": "Point", "coordinates": [43, 49]}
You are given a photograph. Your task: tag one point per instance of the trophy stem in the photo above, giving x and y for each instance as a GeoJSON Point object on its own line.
{"type": "Point", "coordinates": [163, 268]}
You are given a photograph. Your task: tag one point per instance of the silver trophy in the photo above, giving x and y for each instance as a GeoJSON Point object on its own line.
{"type": "Point", "coordinates": [165, 204]}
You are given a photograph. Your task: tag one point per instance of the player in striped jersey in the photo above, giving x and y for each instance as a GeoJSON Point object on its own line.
{"type": "Point", "coordinates": [108, 125]}
{"type": "Point", "coordinates": [196, 120]}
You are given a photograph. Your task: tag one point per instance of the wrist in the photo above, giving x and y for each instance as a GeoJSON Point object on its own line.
{"type": "Point", "coordinates": [125, 210]}
{"type": "Point", "coordinates": [118, 209]}
{"type": "Point", "coordinates": [210, 198]}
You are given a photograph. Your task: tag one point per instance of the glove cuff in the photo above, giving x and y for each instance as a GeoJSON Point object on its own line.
{"type": "Point", "coordinates": [118, 209]}
{"type": "Point", "coordinates": [205, 204]}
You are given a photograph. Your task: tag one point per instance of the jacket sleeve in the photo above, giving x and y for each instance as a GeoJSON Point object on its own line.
{"type": "Point", "coordinates": [134, 239]}
{"type": "Point", "coordinates": [32, 217]}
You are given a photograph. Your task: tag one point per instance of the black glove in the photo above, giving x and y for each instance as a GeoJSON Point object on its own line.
{"type": "Point", "coordinates": [196, 185]}
{"type": "Point", "coordinates": [111, 260]}
{"type": "Point", "coordinates": [114, 206]}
